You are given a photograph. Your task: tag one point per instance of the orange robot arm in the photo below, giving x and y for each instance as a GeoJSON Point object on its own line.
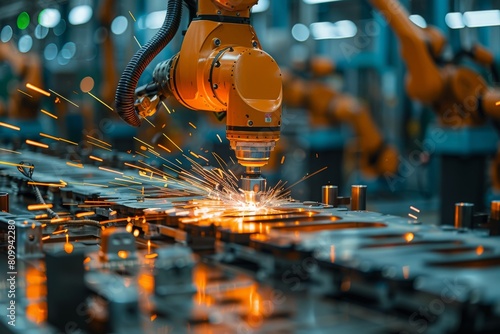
{"type": "Point", "coordinates": [221, 67]}
{"type": "Point", "coordinates": [325, 105]}
{"type": "Point", "coordinates": [424, 81]}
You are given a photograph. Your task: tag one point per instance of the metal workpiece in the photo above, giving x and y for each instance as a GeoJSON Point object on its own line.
{"type": "Point", "coordinates": [358, 197]}
{"type": "Point", "coordinates": [464, 215]}
{"type": "Point", "coordinates": [4, 202]}
{"type": "Point", "coordinates": [117, 244]}
{"type": "Point", "coordinates": [329, 194]}
{"type": "Point", "coordinates": [173, 272]}
{"type": "Point", "coordinates": [495, 211]}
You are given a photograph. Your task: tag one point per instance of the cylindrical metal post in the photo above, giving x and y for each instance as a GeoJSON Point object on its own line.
{"type": "Point", "coordinates": [495, 211]}
{"type": "Point", "coordinates": [464, 215]}
{"type": "Point", "coordinates": [329, 194]}
{"type": "Point", "coordinates": [358, 197]}
{"type": "Point", "coordinates": [4, 202]}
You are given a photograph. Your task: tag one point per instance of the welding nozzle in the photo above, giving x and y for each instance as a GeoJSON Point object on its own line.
{"type": "Point", "coordinates": [253, 184]}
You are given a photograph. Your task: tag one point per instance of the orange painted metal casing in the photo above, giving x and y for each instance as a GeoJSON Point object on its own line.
{"type": "Point", "coordinates": [221, 67]}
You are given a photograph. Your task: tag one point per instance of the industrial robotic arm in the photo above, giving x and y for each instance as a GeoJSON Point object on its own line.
{"type": "Point", "coordinates": [448, 89]}
{"type": "Point", "coordinates": [327, 106]}
{"type": "Point", "coordinates": [221, 67]}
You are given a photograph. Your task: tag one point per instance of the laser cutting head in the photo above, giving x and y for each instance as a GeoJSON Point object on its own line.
{"type": "Point", "coordinates": [253, 185]}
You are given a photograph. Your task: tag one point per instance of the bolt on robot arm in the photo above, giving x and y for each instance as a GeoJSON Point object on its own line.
{"type": "Point", "coordinates": [220, 67]}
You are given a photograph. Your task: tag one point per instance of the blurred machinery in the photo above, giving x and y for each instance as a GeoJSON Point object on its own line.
{"type": "Point", "coordinates": [137, 242]}
{"type": "Point", "coordinates": [110, 260]}
{"type": "Point", "coordinates": [462, 101]}
{"type": "Point", "coordinates": [303, 88]}
{"type": "Point", "coordinates": [23, 107]}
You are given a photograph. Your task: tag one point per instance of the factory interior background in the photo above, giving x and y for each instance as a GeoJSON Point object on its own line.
{"type": "Point", "coordinates": [406, 104]}
{"type": "Point", "coordinates": [81, 47]}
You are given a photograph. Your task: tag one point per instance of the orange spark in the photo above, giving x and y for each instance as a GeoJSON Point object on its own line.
{"type": "Point", "coordinates": [479, 250]}
{"type": "Point", "coordinates": [100, 146]}
{"type": "Point", "coordinates": [219, 138]}
{"type": "Point", "coordinates": [72, 164]}
{"type": "Point", "coordinates": [414, 209]}
{"type": "Point", "coordinates": [194, 126]}
{"type": "Point", "coordinates": [46, 184]}
{"type": "Point", "coordinates": [20, 91]}
{"type": "Point", "coordinates": [99, 141]}
{"type": "Point", "coordinates": [409, 237]}
{"type": "Point", "coordinates": [37, 89]}
{"type": "Point", "coordinates": [33, 207]}
{"type": "Point", "coordinates": [101, 101]}
{"type": "Point", "coordinates": [10, 151]}
{"type": "Point", "coordinates": [68, 141]}
{"type": "Point", "coordinates": [412, 216]}
{"type": "Point", "coordinates": [282, 160]}
{"type": "Point", "coordinates": [142, 142]}
{"type": "Point", "coordinates": [110, 170]}
{"type": "Point", "coordinates": [131, 15]}
{"type": "Point", "coordinates": [13, 127]}
{"type": "Point", "coordinates": [46, 238]}
{"type": "Point", "coordinates": [163, 147]}
{"type": "Point", "coordinates": [48, 136]}
{"type": "Point", "coordinates": [35, 143]}
{"type": "Point", "coordinates": [85, 214]}
{"type": "Point", "coordinates": [173, 143]}
{"type": "Point", "coordinates": [95, 158]}
{"type": "Point", "coordinates": [62, 97]}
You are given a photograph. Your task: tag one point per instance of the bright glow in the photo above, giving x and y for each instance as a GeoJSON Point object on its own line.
{"type": "Point", "coordinates": [80, 15]}
{"type": "Point", "coordinates": [482, 18]}
{"type": "Point", "coordinates": [49, 17]}
{"type": "Point", "coordinates": [50, 52]}
{"type": "Point", "coordinates": [337, 30]}
{"type": "Point", "coordinates": [6, 34]}
{"type": "Point", "coordinates": [300, 32]}
{"type": "Point", "coordinates": [155, 20]}
{"type": "Point", "coordinates": [68, 51]}
{"type": "Point", "coordinates": [418, 20]}
{"type": "Point", "coordinates": [25, 43]}
{"type": "Point", "coordinates": [313, 2]}
{"type": "Point", "coordinates": [454, 20]}
{"type": "Point", "coordinates": [119, 25]}
{"type": "Point", "coordinates": [41, 31]}
{"type": "Point", "coordinates": [23, 20]}
{"type": "Point", "coordinates": [261, 6]}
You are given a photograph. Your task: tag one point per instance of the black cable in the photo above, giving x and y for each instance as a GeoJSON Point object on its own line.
{"type": "Point", "coordinates": [192, 6]}
{"type": "Point", "coordinates": [125, 93]}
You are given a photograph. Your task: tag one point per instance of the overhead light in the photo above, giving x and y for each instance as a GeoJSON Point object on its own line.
{"type": "Point", "coordinates": [337, 30]}
{"type": "Point", "coordinates": [155, 20]}
{"type": "Point", "coordinates": [314, 2]}
{"type": "Point", "coordinates": [6, 34]}
{"type": "Point", "coordinates": [454, 20]}
{"type": "Point", "coordinates": [300, 32]}
{"type": "Point", "coordinates": [49, 17]}
{"type": "Point", "coordinates": [25, 43]}
{"type": "Point", "coordinates": [50, 51]}
{"type": "Point", "coordinates": [41, 31]}
{"type": "Point", "coordinates": [418, 20]}
{"type": "Point", "coordinates": [482, 18]}
{"type": "Point", "coordinates": [261, 6]}
{"type": "Point", "coordinates": [80, 15]}
{"type": "Point", "coordinates": [119, 25]}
